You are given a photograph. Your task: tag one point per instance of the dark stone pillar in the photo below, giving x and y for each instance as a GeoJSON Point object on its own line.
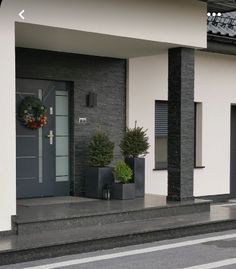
{"type": "Point", "coordinates": [181, 124]}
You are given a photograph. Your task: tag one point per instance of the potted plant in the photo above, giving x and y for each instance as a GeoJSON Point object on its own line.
{"type": "Point", "coordinates": [134, 146]}
{"type": "Point", "coordinates": [124, 187]}
{"type": "Point", "coordinates": [100, 156]}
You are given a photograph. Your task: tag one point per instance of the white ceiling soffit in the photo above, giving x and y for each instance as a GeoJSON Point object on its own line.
{"type": "Point", "coordinates": [64, 40]}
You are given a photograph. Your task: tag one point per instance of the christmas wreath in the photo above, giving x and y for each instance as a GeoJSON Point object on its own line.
{"type": "Point", "coordinates": [32, 112]}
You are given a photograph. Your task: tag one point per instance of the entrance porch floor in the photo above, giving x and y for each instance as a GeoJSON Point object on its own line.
{"type": "Point", "coordinates": [47, 209]}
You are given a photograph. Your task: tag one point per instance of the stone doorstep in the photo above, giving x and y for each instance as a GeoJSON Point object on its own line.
{"type": "Point", "coordinates": [29, 226]}
{"type": "Point", "coordinates": [22, 248]}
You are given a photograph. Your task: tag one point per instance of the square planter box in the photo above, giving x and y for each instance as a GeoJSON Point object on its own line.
{"type": "Point", "coordinates": [123, 191]}
{"type": "Point", "coordinates": [96, 179]}
{"type": "Point", "coordinates": [138, 167]}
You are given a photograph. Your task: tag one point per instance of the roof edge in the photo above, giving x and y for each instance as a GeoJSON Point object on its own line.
{"type": "Point", "coordinates": [220, 47]}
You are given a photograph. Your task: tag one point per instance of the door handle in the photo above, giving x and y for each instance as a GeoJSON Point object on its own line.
{"type": "Point", "coordinates": [50, 136]}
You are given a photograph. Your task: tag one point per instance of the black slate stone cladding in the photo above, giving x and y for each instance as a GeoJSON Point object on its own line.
{"type": "Point", "coordinates": [104, 76]}
{"type": "Point", "coordinates": [181, 124]}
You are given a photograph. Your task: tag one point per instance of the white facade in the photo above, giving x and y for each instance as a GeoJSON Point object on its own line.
{"type": "Point", "coordinates": [215, 88]}
{"type": "Point", "coordinates": [7, 110]}
{"type": "Point", "coordinates": [148, 81]}
{"type": "Point", "coordinates": [125, 29]}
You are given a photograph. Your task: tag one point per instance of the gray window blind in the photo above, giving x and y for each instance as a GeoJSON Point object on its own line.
{"type": "Point", "coordinates": [161, 118]}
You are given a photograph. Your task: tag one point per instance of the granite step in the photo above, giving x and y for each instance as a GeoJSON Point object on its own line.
{"type": "Point", "coordinates": [61, 217]}
{"type": "Point", "coordinates": [21, 248]}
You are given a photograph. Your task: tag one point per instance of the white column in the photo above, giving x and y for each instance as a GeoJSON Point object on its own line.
{"type": "Point", "coordinates": [7, 120]}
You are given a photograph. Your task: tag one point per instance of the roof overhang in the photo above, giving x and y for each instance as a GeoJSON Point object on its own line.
{"type": "Point", "coordinates": [74, 41]}
{"type": "Point", "coordinates": [222, 48]}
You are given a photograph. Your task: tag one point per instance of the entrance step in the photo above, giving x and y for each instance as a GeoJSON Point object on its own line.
{"type": "Point", "coordinates": [75, 215]}
{"type": "Point", "coordinates": [21, 248]}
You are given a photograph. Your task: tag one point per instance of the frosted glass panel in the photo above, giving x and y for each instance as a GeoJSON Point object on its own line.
{"type": "Point", "coordinates": [62, 167]}
{"type": "Point", "coordinates": [62, 136]}
{"type": "Point", "coordinates": [65, 93]}
{"type": "Point", "coordinates": [62, 146]}
{"type": "Point", "coordinates": [62, 125]}
{"type": "Point", "coordinates": [65, 178]}
{"type": "Point", "coordinates": [62, 105]}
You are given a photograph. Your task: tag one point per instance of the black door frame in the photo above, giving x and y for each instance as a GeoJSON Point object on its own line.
{"type": "Point", "coordinates": [71, 127]}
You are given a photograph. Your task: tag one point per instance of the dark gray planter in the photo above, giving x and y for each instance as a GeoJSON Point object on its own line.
{"type": "Point", "coordinates": [123, 191]}
{"type": "Point", "coordinates": [96, 179]}
{"type": "Point", "coordinates": [138, 167]}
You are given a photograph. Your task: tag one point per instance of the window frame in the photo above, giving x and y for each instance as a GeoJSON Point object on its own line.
{"type": "Point", "coordinates": [198, 107]}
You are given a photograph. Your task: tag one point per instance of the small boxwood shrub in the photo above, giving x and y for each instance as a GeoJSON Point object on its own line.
{"type": "Point", "coordinates": [122, 172]}
{"type": "Point", "coordinates": [100, 149]}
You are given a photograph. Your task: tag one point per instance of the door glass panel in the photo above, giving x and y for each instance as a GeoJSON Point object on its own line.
{"type": "Point", "coordinates": [62, 168]}
{"type": "Point", "coordinates": [62, 136]}
{"type": "Point", "coordinates": [62, 105]}
{"type": "Point", "coordinates": [62, 93]}
{"type": "Point", "coordinates": [62, 125]}
{"type": "Point", "coordinates": [62, 145]}
{"type": "Point", "coordinates": [62, 178]}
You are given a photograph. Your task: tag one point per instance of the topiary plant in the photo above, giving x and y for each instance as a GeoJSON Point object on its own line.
{"type": "Point", "coordinates": [122, 172]}
{"type": "Point", "coordinates": [134, 143]}
{"type": "Point", "coordinates": [100, 149]}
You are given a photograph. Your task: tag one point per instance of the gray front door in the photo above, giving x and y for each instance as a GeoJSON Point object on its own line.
{"type": "Point", "coordinates": [42, 155]}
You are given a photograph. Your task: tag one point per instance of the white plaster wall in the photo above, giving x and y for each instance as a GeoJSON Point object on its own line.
{"type": "Point", "coordinates": [170, 21]}
{"type": "Point", "coordinates": [215, 87]}
{"type": "Point", "coordinates": [7, 129]}
{"type": "Point", "coordinates": [147, 82]}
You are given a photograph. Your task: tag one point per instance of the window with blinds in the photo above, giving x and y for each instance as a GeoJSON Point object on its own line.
{"type": "Point", "coordinates": [161, 118]}
{"type": "Point", "coordinates": [161, 135]}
